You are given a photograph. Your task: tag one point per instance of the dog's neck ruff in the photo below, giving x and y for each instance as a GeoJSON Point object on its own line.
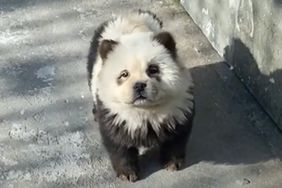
{"type": "Point", "coordinates": [132, 119]}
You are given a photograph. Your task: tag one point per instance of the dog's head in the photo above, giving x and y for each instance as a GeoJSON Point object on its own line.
{"type": "Point", "coordinates": [139, 70]}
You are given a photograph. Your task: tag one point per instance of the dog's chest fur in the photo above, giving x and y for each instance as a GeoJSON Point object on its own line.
{"type": "Point", "coordinates": [145, 135]}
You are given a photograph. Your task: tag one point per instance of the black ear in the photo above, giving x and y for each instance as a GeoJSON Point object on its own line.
{"type": "Point", "coordinates": [166, 39]}
{"type": "Point", "coordinates": [105, 47]}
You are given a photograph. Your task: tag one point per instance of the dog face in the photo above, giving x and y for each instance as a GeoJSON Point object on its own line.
{"type": "Point", "coordinates": [139, 70]}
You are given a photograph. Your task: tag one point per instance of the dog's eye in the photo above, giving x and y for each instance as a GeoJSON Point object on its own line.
{"type": "Point", "coordinates": [124, 74]}
{"type": "Point", "coordinates": [153, 69]}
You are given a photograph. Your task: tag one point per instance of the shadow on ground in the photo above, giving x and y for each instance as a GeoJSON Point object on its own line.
{"type": "Point", "coordinates": [228, 127]}
{"type": "Point", "coordinates": [265, 88]}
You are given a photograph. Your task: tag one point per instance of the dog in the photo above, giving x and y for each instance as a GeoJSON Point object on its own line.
{"type": "Point", "coordinates": [142, 93]}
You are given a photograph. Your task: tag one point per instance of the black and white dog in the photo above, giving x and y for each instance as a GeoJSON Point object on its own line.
{"type": "Point", "coordinates": [143, 95]}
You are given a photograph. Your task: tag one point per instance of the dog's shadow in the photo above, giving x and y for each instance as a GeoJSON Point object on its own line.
{"type": "Point", "coordinates": [223, 130]}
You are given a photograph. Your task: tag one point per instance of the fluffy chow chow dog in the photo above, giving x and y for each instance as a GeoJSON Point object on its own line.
{"type": "Point", "coordinates": [143, 95]}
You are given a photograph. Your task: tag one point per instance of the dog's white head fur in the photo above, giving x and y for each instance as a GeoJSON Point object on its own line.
{"type": "Point", "coordinates": [138, 58]}
{"type": "Point", "coordinates": [147, 58]}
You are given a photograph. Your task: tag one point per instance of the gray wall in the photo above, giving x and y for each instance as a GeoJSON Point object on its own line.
{"type": "Point", "coordinates": [248, 34]}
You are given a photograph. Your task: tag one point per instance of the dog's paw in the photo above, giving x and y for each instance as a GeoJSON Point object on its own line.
{"type": "Point", "coordinates": [174, 165]}
{"type": "Point", "coordinates": [131, 177]}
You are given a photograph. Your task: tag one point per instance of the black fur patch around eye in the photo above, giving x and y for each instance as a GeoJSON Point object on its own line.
{"type": "Point", "coordinates": [158, 78]}
{"type": "Point", "coordinates": [119, 81]}
{"type": "Point", "coordinates": [166, 39]}
{"type": "Point", "coordinates": [153, 71]}
{"type": "Point", "coordinates": [106, 46]}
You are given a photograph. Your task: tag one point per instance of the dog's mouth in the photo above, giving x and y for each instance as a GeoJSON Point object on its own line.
{"type": "Point", "coordinates": [139, 98]}
{"type": "Point", "coordinates": [142, 101]}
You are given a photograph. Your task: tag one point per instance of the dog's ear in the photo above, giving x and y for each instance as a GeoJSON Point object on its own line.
{"type": "Point", "coordinates": [166, 39]}
{"type": "Point", "coordinates": [106, 47]}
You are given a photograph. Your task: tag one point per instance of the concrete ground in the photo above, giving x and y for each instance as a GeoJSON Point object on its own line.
{"type": "Point", "coordinates": [47, 134]}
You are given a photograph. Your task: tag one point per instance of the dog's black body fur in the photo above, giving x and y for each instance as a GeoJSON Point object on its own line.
{"type": "Point", "coordinates": [122, 148]}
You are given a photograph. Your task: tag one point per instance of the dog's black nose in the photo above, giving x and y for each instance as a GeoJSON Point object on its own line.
{"type": "Point", "coordinates": [139, 86]}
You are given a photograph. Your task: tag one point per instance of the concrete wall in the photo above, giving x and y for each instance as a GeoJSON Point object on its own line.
{"type": "Point", "coordinates": [248, 34]}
